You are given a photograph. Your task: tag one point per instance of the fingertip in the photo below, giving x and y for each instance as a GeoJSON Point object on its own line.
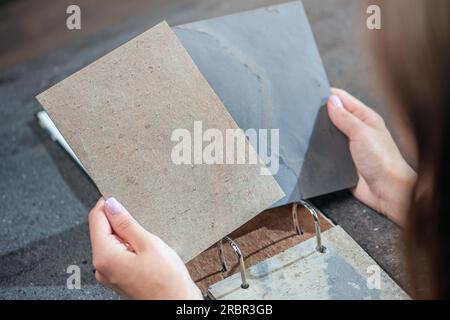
{"type": "Point", "coordinates": [332, 112]}
{"type": "Point", "coordinates": [100, 203]}
{"type": "Point", "coordinates": [100, 233]}
{"type": "Point", "coordinates": [330, 108]}
{"type": "Point", "coordinates": [113, 207]}
{"type": "Point", "coordinates": [335, 109]}
{"type": "Point", "coordinates": [336, 102]}
{"type": "Point", "coordinates": [125, 226]}
{"type": "Point", "coordinates": [97, 209]}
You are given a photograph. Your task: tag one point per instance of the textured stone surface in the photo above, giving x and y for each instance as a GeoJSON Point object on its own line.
{"type": "Point", "coordinates": [119, 114]}
{"type": "Point", "coordinates": [265, 67]}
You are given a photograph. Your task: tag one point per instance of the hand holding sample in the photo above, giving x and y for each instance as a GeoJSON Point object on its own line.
{"type": "Point", "coordinates": [133, 262]}
{"type": "Point", "coordinates": [385, 178]}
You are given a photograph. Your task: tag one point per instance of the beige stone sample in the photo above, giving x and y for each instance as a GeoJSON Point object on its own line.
{"type": "Point", "coordinates": [118, 114]}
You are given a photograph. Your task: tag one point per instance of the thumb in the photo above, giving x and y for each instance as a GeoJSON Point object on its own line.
{"type": "Point", "coordinates": [344, 120]}
{"type": "Point", "coordinates": [125, 226]}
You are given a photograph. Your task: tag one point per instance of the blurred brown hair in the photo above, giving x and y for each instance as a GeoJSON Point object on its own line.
{"type": "Point", "coordinates": [412, 50]}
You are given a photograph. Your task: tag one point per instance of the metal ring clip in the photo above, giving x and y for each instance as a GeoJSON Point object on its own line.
{"type": "Point", "coordinates": [239, 256]}
{"type": "Point", "coordinates": [319, 247]}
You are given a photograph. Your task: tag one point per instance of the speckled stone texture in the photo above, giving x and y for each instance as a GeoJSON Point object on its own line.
{"type": "Point", "coordinates": [119, 115]}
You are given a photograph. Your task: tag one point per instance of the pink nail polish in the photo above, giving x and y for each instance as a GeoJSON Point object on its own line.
{"type": "Point", "coordinates": [112, 206]}
{"type": "Point", "coordinates": [336, 101]}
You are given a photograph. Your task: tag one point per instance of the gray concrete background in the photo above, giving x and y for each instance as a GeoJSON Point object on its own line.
{"type": "Point", "coordinates": [44, 197]}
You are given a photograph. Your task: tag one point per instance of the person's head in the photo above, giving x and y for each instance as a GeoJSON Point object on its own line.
{"type": "Point", "coordinates": [412, 50]}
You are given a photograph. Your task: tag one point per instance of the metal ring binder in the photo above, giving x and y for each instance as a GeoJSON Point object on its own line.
{"type": "Point", "coordinates": [319, 247]}
{"type": "Point", "coordinates": [298, 229]}
{"type": "Point", "coordinates": [301, 273]}
{"type": "Point", "coordinates": [240, 257]}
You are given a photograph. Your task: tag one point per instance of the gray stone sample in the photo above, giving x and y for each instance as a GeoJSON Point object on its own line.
{"type": "Point", "coordinates": [265, 67]}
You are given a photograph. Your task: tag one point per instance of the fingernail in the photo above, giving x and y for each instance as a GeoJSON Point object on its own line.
{"type": "Point", "coordinates": [336, 101]}
{"type": "Point", "coordinates": [113, 206]}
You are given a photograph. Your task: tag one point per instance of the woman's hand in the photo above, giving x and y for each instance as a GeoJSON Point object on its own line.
{"type": "Point", "coordinates": [133, 262]}
{"type": "Point", "coordinates": [385, 178]}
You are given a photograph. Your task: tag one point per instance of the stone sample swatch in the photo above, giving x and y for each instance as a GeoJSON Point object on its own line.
{"type": "Point", "coordinates": [265, 67]}
{"type": "Point", "coordinates": [118, 115]}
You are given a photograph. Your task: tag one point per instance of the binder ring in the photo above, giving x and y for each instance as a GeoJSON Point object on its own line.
{"type": "Point", "coordinates": [239, 256]}
{"type": "Point", "coordinates": [319, 247]}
